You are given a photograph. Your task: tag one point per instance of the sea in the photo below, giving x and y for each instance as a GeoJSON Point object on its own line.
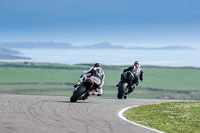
{"type": "Point", "coordinates": [170, 58]}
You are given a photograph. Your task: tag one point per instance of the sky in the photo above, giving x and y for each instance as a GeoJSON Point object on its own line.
{"type": "Point", "coordinates": [122, 22]}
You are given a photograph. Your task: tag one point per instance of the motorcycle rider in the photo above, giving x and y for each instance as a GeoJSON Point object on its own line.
{"type": "Point", "coordinates": [137, 72]}
{"type": "Point", "coordinates": [97, 75]}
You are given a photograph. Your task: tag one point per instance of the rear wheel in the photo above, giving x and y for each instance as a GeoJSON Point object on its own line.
{"type": "Point", "coordinates": [77, 93]}
{"type": "Point", "coordinates": [122, 90]}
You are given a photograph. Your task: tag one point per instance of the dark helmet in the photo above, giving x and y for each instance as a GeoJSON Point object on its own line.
{"type": "Point", "coordinates": [97, 65]}
{"type": "Point", "coordinates": [137, 64]}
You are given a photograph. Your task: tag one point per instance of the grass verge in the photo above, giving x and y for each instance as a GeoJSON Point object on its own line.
{"type": "Point", "coordinates": [171, 117]}
{"type": "Point", "coordinates": [159, 82]}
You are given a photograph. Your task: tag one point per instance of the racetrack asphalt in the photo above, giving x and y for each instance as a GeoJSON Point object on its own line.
{"type": "Point", "coordinates": [56, 114]}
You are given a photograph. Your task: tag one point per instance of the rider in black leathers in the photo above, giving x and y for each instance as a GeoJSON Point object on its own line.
{"type": "Point", "coordinates": [137, 72]}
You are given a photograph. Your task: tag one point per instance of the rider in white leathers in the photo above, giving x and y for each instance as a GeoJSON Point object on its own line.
{"type": "Point", "coordinates": [97, 75]}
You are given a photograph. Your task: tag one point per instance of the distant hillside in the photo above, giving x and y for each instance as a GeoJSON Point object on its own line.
{"type": "Point", "coordinates": [7, 54]}
{"type": "Point", "coordinates": [101, 45]}
{"type": "Point", "coordinates": [8, 51]}
{"type": "Point", "coordinates": [36, 45]}
{"type": "Point", "coordinates": [107, 45]}
{"type": "Point", "coordinates": [104, 45]}
{"type": "Point", "coordinates": [11, 57]}
{"type": "Point", "coordinates": [177, 47]}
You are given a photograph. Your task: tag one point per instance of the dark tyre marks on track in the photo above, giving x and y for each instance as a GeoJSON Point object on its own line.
{"type": "Point", "coordinates": [56, 114]}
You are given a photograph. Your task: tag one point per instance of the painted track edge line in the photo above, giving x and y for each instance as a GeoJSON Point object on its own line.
{"type": "Point", "coordinates": [120, 114]}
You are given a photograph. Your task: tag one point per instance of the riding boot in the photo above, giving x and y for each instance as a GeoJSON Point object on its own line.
{"type": "Point", "coordinates": [100, 91]}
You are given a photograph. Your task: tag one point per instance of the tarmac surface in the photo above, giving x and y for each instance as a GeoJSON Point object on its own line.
{"type": "Point", "coordinates": [56, 114]}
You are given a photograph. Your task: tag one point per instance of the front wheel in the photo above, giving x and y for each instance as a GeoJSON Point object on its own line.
{"type": "Point", "coordinates": [77, 93]}
{"type": "Point", "coordinates": [122, 90]}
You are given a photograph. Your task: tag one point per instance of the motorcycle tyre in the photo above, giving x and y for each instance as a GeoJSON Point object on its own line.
{"type": "Point", "coordinates": [122, 90]}
{"type": "Point", "coordinates": [77, 93]}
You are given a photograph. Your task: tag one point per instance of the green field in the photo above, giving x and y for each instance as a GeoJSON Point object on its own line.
{"type": "Point", "coordinates": [58, 79]}
{"type": "Point", "coordinates": [170, 117]}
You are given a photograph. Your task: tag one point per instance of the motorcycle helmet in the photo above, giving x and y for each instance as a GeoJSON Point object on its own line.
{"type": "Point", "coordinates": [97, 65]}
{"type": "Point", "coordinates": [137, 64]}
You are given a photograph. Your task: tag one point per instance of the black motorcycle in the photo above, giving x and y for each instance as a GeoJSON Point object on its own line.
{"type": "Point", "coordinates": [82, 91]}
{"type": "Point", "coordinates": [126, 86]}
